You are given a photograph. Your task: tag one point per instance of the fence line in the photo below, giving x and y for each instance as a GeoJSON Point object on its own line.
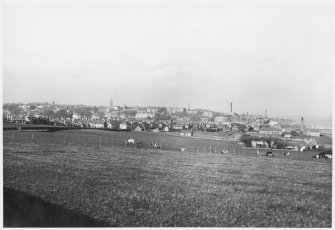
{"type": "Point", "coordinates": [113, 142]}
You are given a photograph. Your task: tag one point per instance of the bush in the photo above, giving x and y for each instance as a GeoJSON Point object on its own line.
{"type": "Point", "coordinates": [278, 142]}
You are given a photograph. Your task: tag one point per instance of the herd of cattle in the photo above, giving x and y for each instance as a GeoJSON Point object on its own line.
{"type": "Point", "coordinates": [225, 151]}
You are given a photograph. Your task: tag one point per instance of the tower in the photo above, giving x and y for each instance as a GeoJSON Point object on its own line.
{"type": "Point", "coordinates": [111, 103]}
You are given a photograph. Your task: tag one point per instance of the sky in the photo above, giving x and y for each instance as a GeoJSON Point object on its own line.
{"type": "Point", "coordinates": [273, 55]}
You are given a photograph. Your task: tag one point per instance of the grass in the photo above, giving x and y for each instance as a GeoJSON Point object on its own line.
{"type": "Point", "coordinates": [169, 188]}
{"type": "Point", "coordinates": [24, 210]}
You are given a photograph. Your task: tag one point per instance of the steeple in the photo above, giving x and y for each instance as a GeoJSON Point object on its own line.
{"type": "Point", "coordinates": [111, 103]}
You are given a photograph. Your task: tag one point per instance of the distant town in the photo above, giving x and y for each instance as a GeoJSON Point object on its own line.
{"type": "Point", "coordinates": [150, 118]}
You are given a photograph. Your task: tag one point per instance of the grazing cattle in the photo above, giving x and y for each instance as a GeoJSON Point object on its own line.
{"type": "Point", "coordinates": [131, 141]}
{"type": "Point", "coordinates": [269, 154]}
{"type": "Point", "coordinates": [182, 149]}
{"type": "Point", "coordinates": [328, 156]}
{"type": "Point", "coordinates": [153, 145]}
{"type": "Point", "coordinates": [286, 153]}
{"type": "Point", "coordinates": [223, 151]}
{"type": "Point", "coordinates": [258, 153]}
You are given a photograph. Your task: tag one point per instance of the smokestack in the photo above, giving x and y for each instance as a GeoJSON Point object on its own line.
{"type": "Point", "coordinates": [231, 107]}
{"type": "Point", "coordinates": [265, 113]}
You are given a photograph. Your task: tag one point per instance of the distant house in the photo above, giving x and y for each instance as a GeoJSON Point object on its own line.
{"type": "Point", "coordinates": [312, 133]}
{"type": "Point", "coordinates": [99, 124]}
{"type": "Point", "coordinates": [138, 129]}
{"type": "Point", "coordinates": [207, 114]}
{"type": "Point", "coordinates": [76, 116]}
{"type": "Point", "coordinates": [96, 124]}
{"type": "Point", "coordinates": [259, 144]}
{"type": "Point", "coordinates": [177, 127]}
{"type": "Point", "coordinates": [186, 133]}
{"type": "Point", "coordinates": [287, 135]}
{"type": "Point", "coordinates": [143, 115]}
{"type": "Point", "coordinates": [220, 120]}
{"type": "Point", "coordinates": [270, 130]}
{"type": "Point", "coordinates": [123, 126]}
{"type": "Point", "coordinates": [19, 121]}
{"type": "Point", "coordinates": [68, 122]}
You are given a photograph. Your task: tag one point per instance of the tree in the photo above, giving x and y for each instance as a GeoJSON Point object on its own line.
{"type": "Point", "coordinates": [62, 113]}
{"type": "Point", "coordinates": [49, 113]}
{"type": "Point", "coordinates": [101, 114]}
{"type": "Point", "coordinates": [32, 107]}
{"type": "Point", "coordinates": [13, 108]}
{"type": "Point", "coordinates": [184, 112]}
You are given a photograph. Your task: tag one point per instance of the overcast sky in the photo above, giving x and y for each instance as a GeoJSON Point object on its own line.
{"type": "Point", "coordinates": [275, 56]}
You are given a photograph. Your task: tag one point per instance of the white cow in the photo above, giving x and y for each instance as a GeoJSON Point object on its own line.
{"type": "Point", "coordinates": [223, 151]}
{"type": "Point", "coordinates": [153, 145]}
{"type": "Point", "coordinates": [131, 141]}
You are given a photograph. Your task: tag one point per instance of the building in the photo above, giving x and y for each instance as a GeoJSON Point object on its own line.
{"type": "Point", "coordinates": [19, 121]}
{"type": "Point", "coordinates": [143, 115]}
{"type": "Point", "coordinates": [188, 133]}
{"type": "Point", "coordinates": [270, 130]}
{"type": "Point", "coordinates": [259, 144]}
{"type": "Point", "coordinates": [221, 120]}
{"type": "Point", "coordinates": [287, 135]}
{"type": "Point", "coordinates": [312, 133]}
{"type": "Point", "coordinates": [111, 103]}
{"type": "Point", "coordinates": [207, 114]}
{"type": "Point", "coordinates": [123, 126]}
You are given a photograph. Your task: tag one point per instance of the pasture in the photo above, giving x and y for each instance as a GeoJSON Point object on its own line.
{"type": "Point", "coordinates": [96, 174]}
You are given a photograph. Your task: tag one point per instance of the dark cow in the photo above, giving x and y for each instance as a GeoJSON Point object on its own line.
{"type": "Point", "coordinates": [224, 151]}
{"type": "Point", "coordinates": [269, 154]}
{"type": "Point", "coordinates": [154, 145]}
{"type": "Point", "coordinates": [286, 153]}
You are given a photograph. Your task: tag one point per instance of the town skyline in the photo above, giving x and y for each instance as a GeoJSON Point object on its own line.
{"type": "Point", "coordinates": [321, 122]}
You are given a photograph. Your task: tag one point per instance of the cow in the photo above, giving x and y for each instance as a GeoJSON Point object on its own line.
{"type": "Point", "coordinates": [269, 154]}
{"type": "Point", "coordinates": [131, 141]}
{"type": "Point", "coordinates": [153, 145]}
{"type": "Point", "coordinates": [182, 149]}
{"type": "Point", "coordinates": [286, 153]}
{"type": "Point", "coordinates": [223, 151]}
{"type": "Point", "coordinates": [211, 150]}
{"type": "Point", "coordinates": [328, 156]}
{"type": "Point", "coordinates": [258, 153]}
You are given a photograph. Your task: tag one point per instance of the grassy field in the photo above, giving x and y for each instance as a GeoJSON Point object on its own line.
{"type": "Point", "coordinates": [136, 186]}
{"type": "Point", "coordinates": [166, 141]}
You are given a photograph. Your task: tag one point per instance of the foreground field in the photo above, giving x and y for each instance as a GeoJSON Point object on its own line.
{"type": "Point", "coordinates": [142, 187]}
